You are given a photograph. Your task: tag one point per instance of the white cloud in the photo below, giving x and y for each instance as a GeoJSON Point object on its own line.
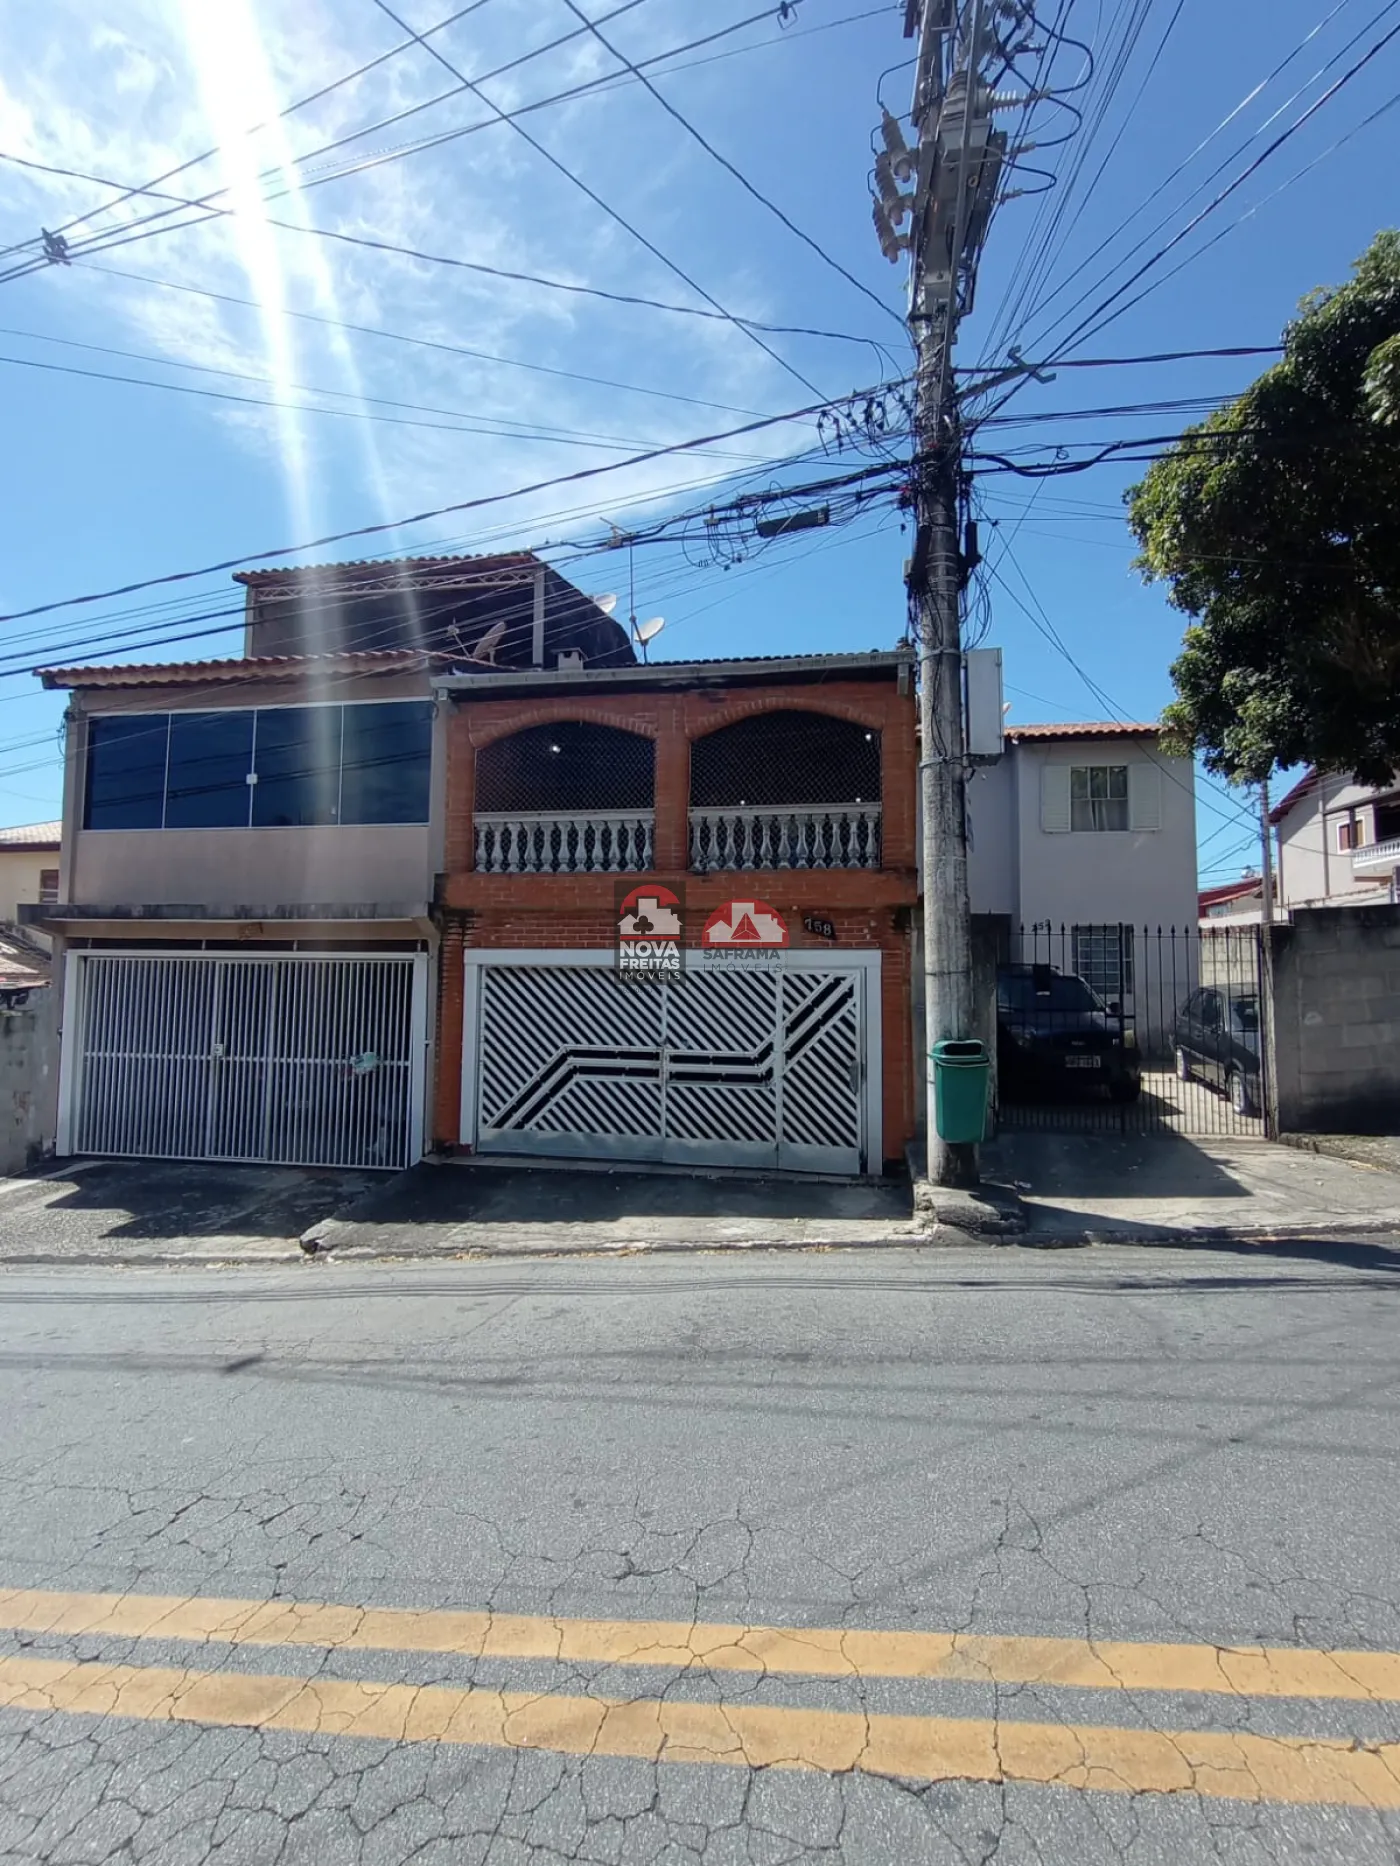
{"type": "Point", "coordinates": [131, 88]}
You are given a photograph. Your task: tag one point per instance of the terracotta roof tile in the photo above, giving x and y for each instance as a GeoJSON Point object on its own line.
{"type": "Point", "coordinates": [1306, 784]}
{"type": "Point", "coordinates": [260, 667]}
{"type": "Point", "coordinates": [31, 836]}
{"type": "Point", "coordinates": [1085, 729]}
{"type": "Point", "coordinates": [368, 566]}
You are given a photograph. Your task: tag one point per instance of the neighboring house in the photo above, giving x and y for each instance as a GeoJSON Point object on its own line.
{"type": "Point", "coordinates": [1084, 835]}
{"type": "Point", "coordinates": [28, 866]}
{"type": "Point", "coordinates": [1338, 843]}
{"type": "Point", "coordinates": [1233, 903]}
{"type": "Point", "coordinates": [244, 907]}
{"type": "Point", "coordinates": [24, 965]}
{"type": "Point", "coordinates": [763, 800]}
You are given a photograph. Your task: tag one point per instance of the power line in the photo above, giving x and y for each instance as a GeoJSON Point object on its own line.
{"type": "Point", "coordinates": [727, 165]}
{"type": "Point", "coordinates": [426, 343]}
{"type": "Point", "coordinates": [466, 265]}
{"type": "Point", "coordinates": [578, 182]}
{"type": "Point", "coordinates": [462, 505]}
{"type": "Point", "coordinates": [1186, 161]}
{"type": "Point", "coordinates": [1094, 319]}
{"type": "Point", "coordinates": [458, 420]}
{"type": "Point", "coordinates": [301, 103]}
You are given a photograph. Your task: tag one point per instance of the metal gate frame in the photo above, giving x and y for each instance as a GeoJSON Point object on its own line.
{"type": "Point", "coordinates": [72, 1046]}
{"type": "Point", "coordinates": [866, 962]}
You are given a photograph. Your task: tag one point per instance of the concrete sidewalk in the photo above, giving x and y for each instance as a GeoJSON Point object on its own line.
{"type": "Point", "coordinates": [1078, 1188]}
{"type": "Point", "coordinates": [473, 1209]}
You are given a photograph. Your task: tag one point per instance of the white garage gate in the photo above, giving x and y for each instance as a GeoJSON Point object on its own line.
{"type": "Point", "coordinates": [291, 1058]}
{"type": "Point", "coordinates": [766, 1066]}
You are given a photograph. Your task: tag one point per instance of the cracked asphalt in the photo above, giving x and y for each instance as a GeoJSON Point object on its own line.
{"type": "Point", "coordinates": [988, 1556]}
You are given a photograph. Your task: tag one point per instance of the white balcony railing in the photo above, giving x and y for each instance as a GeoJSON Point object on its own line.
{"type": "Point", "coordinates": [839, 835]}
{"type": "Point", "coordinates": [584, 842]}
{"type": "Point", "coordinates": [1376, 858]}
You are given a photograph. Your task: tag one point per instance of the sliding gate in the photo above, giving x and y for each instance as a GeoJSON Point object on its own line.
{"type": "Point", "coordinates": [303, 1060]}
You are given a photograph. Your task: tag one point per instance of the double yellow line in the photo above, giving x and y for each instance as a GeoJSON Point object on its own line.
{"type": "Point", "coordinates": [1084, 1756]}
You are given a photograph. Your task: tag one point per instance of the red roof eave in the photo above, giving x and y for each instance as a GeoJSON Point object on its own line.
{"type": "Point", "coordinates": [259, 667]}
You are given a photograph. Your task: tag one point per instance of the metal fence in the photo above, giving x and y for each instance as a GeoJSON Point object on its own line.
{"type": "Point", "coordinates": [1133, 1029]}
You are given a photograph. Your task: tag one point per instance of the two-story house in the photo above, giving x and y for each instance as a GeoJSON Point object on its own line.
{"type": "Point", "coordinates": [244, 911]}
{"type": "Point", "coordinates": [1337, 843]}
{"type": "Point", "coordinates": [1084, 836]}
{"type": "Point", "coordinates": [768, 807]}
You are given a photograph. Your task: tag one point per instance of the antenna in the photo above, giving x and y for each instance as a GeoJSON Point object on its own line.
{"type": "Point", "coordinates": [644, 632]}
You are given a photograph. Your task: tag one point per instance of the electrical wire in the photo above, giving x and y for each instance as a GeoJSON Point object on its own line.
{"type": "Point", "coordinates": [724, 162]}
{"type": "Point", "coordinates": [208, 155]}
{"type": "Point", "coordinates": [463, 505]}
{"type": "Point", "coordinates": [426, 343]}
{"type": "Point", "coordinates": [458, 420]}
{"type": "Point", "coordinates": [572, 176]}
{"type": "Point", "coordinates": [1095, 320]}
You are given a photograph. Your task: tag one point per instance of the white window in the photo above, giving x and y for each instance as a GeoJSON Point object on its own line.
{"type": "Point", "coordinates": [1103, 958]}
{"type": "Point", "coordinates": [1098, 797]}
{"type": "Point", "coordinates": [1093, 798]}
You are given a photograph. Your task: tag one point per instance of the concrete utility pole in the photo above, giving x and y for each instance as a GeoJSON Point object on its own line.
{"type": "Point", "coordinates": [957, 164]}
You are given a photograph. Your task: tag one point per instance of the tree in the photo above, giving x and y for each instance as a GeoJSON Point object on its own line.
{"type": "Point", "coordinates": [1276, 525]}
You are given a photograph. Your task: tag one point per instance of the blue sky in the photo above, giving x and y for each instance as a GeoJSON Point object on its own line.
{"type": "Point", "coordinates": [107, 482]}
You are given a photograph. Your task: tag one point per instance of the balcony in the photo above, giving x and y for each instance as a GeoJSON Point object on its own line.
{"type": "Point", "coordinates": [1376, 858]}
{"type": "Point", "coordinates": [786, 836]}
{"type": "Point", "coordinates": [581, 842]}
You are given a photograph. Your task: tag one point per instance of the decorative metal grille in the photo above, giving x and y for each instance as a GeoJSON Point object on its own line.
{"type": "Point", "coordinates": [789, 758]}
{"type": "Point", "coordinates": [297, 1061]}
{"type": "Point", "coordinates": [745, 1068]}
{"type": "Point", "coordinates": [565, 768]}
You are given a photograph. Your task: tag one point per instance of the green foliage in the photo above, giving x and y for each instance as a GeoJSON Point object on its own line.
{"type": "Point", "coordinates": [1276, 526]}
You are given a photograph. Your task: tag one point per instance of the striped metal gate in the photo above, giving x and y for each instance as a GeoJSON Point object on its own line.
{"type": "Point", "coordinates": [297, 1060]}
{"type": "Point", "coordinates": [758, 1068]}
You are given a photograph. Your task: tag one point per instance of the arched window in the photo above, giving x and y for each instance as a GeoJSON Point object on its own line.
{"type": "Point", "coordinates": [785, 758]}
{"type": "Point", "coordinates": [567, 798]}
{"type": "Point", "coordinates": [566, 767]}
{"type": "Point", "coordinates": [785, 790]}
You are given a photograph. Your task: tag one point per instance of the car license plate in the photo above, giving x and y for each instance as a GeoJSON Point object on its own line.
{"type": "Point", "coordinates": [1083, 1062]}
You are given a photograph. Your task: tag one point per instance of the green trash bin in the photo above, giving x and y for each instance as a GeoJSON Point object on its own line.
{"type": "Point", "coordinates": [960, 1075]}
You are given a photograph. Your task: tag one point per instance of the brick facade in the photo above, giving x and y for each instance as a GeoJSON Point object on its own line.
{"type": "Point", "coordinates": [869, 909]}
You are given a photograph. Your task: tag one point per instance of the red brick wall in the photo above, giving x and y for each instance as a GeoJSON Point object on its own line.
{"type": "Point", "coordinates": [559, 912]}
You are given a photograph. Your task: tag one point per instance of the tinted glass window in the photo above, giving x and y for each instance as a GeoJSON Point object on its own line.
{"type": "Point", "coordinates": [385, 761]}
{"type": "Point", "coordinates": [1022, 991]}
{"type": "Point", "coordinates": [126, 772]}
{"type": "Point", "coordinates": [211, 755]}
{"type": "Point", "coordinates": [297, 759]}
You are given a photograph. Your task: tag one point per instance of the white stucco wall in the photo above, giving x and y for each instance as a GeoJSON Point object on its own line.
{"type": "Point", "coordinates": [1311, 867]}
{"type": "Point", "coordinates": [19, 877]}
{"type": "Point", "coordinates": [1145, 877]}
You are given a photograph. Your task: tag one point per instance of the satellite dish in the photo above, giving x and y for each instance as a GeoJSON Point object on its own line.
{"type": "Point", "coordinates": [648, 631]}
{"type": "Point", "coordinates": [606, 603]}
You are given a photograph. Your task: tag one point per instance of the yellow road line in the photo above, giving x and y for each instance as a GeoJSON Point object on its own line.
{"type": "Point", "coordinates": [1110, 1665]}
{"type": "Point", "coordinates": [1078, 1756]}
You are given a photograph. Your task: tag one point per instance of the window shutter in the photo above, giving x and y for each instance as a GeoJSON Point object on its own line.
{"type": "Point", "coordinates": [1054, 799]}
{"type": "Point", "coordinates": [1145, 796]}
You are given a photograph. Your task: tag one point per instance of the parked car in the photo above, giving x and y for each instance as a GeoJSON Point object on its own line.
{"type": "Point", "coordinates": [1216, 1037]}
{"type": "Point", "coordinates": [1054, 1030]}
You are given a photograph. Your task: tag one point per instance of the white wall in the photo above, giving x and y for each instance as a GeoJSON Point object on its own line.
{"type": "Point", "coordinates": [19, 877]}
{"type": "Point", "coordinates": [1311, 867]}
{"type": "Point", "coordinates": [1144, 877]}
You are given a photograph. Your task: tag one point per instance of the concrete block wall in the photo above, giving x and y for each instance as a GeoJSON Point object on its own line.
{"type": "Point", "coordinates": [28, 1082]}
{"type": "Point", "coordinates": [1337, 1020]}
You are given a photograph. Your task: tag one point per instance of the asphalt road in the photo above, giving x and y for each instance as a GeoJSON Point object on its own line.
{"type": "Point", "coordinates": [961, 1556]}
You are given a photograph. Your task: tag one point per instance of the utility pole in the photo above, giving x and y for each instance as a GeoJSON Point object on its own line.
{"type": "Point", "coordinates": [1266, 871]}
{"type": "Point", "coordinates": [1268, 1075]}
{"type": "Point", "coordinates": [957, 165]}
